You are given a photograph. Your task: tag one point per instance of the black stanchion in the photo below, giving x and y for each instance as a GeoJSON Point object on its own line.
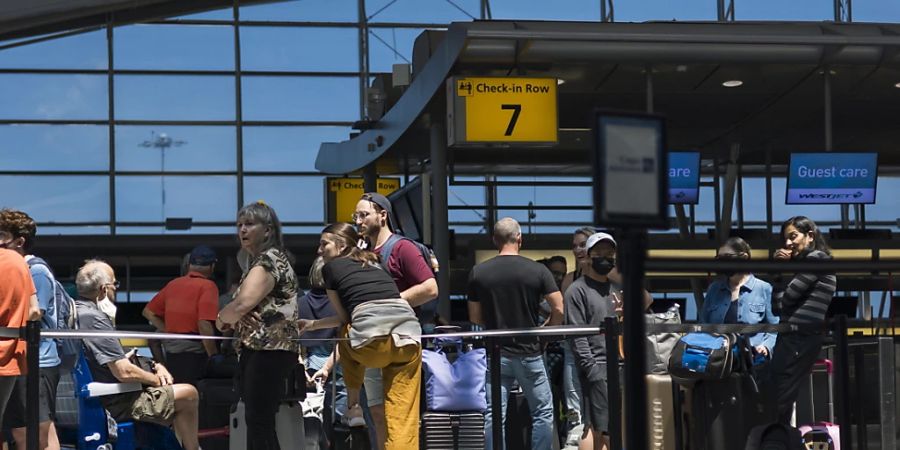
{"type": "Point", "coordinates": [32, 382]}
{"type": "Point", "coordinates": [842, 380]}
{"type": "Point", "coordinates": [611, 325]}
{"type": "Point", "coordinates": [859, 370]}
{"type": "Point", "coordinates": [633, 250]}
{"type": "Point", "coordinates": [496, 405]}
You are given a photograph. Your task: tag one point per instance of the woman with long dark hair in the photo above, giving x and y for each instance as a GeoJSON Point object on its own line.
{"type": "Point", "coordinates": [804, 301]}
{"type": "Point", "coordinates": [263, 314]}
{"type": "Point", "coordinates": [382, 327]}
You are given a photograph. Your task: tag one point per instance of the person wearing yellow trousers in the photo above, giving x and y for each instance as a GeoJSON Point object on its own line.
{"type": "Point", "coordinates": [381, 330]}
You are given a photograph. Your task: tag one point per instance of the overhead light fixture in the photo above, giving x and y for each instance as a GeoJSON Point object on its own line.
{"type": "Point", "coordinates": [560, 82]}
{"type": "Point", "coordinates": [732, 83]}
{"type": "Point", "coordinates": [897, 85]}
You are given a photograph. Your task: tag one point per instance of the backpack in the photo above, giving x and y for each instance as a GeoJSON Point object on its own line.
{"type": "Point", "coordinates": [68, 349]}
{"type": "Point", "coordinates": [704, 356]}
{"type": "Point", "coordinates": [424, 250]}
{"type": "Point", "coordinates": [774, 436]}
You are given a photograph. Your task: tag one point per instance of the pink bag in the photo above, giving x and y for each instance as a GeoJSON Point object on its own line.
{"type": "Point", "coordinates": [823, 435]}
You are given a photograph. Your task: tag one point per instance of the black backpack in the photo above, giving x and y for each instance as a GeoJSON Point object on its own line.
{"type": "Point", "coordinates": [774, 436]}
{"type": "Point", "coordinates": [65, 318]}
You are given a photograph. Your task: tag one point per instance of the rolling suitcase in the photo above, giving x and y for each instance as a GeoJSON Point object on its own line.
{"type": "Point", "coordinates": [822, 435]}
{"type": "Point", "coordinates": [453, 431]}
{"type": "Point", "coordinates": [288, 427]}
{"type": "Point", "coordinates": [664, 413]}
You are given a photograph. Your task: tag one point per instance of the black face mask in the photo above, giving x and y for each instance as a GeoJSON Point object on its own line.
{"type": "Point", "coordinates": [728, 273]}
{"type": "Point", "coordinates": [602, 265]}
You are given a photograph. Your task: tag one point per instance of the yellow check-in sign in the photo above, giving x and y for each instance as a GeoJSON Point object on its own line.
{"type": "Point", "coordinates": [343, 194]}
{"type": "Point", "coordinates": [499, 109]}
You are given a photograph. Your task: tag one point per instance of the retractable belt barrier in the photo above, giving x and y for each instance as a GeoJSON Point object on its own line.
{"type": "Point", "coordinates": [493, 340]}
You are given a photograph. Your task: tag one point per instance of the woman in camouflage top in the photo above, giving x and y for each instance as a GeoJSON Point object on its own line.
{"type": "Point", "coordinates": [263, 315]}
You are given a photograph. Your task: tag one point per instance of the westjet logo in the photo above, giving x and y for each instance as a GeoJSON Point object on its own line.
{"type": "Point", "coordinates": [830, 196]}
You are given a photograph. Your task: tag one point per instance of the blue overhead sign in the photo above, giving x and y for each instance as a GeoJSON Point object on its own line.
{"type": "Point", "coordinates": [832, 178]}
{"type": "Point", "coordinates": [684, 177]}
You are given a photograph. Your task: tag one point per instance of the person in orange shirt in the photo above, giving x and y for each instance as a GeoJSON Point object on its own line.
{"type": "Point", "coordinates": [18, 303]}
{"type": "Point", "coordinates": [188, 304]}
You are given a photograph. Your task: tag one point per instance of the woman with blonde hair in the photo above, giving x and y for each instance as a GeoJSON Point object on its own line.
{"type": "Point", "coordinates": [382, 328]}
{"type": "Point", "coordinates": [263, 314]}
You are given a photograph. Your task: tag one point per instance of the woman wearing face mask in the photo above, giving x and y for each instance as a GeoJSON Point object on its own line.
{"type": "Point", "coordinates": [804, 301]}
{"type": "Point", "coordinates": [740, 298]}
{"type": "Point", "coordinates": [263, 315]}
{"type": "Point", "coordinates": [383, 330]}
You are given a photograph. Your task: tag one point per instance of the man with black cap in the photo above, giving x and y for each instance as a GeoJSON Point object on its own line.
{"type": "Point", "coordinates": [410, 271]}
{"type": "Point", "coordinates": [188, 304]}
{"type": "Point", "coordinates": [588, 301]}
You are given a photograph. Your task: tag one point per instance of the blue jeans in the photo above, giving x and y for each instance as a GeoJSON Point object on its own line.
{"type": "Point", "coordinates": [571, 382]}
{"type": "Point", "coordinates": [531, 374]}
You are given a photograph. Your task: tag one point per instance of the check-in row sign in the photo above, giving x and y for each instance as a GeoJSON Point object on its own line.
{"type": "Point", "coordinates": [497, 110]}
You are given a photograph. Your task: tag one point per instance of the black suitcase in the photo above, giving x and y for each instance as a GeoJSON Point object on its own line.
{"type": "Point", "coordinates": [452, 431]}
{"type": "Point", "coordinates": [724, 412]}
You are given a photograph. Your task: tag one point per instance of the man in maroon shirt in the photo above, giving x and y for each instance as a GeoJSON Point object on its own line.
{"type": "Point", "coordinates": [411, 272]}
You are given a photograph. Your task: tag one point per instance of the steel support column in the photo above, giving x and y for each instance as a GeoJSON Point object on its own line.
{"type": "Point", "coordinates": [440, 227]}
{"type": "Point", "coordinates": [728, 198]}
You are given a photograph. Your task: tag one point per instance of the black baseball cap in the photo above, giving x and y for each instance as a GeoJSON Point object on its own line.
{"type": "Point", "coordinates": [384, 204]}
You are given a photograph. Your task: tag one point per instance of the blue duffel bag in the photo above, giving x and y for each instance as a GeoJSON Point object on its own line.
{"type": "Point", "coordinates": [704, 356]}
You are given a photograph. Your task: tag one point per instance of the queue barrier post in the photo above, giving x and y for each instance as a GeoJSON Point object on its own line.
{"type": "Point", "coordinates": [611, 325]}
{"type": "Point", "coordinates": [842, 380]}
{"type": "Point", "coordinates": [32, 382]}
{"type": "Point", "coordinates": [496, 405]}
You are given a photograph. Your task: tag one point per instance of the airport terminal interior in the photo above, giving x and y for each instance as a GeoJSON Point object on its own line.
{"type": "Point", "coordinates": [133, 131]}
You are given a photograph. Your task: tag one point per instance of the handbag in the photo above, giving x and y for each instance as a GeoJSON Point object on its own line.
{"type": "Point", "coordinates": [704, 356]}
{"type": "Point", "coordinates": [661, 345]}
{"type": "Point", "coordinates": [456, 386]}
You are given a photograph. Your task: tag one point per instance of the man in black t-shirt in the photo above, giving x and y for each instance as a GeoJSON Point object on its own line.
{"type": "Point", "coordinates": [505, 292]}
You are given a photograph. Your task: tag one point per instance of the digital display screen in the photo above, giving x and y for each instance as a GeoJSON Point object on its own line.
{"type": "Point", "coordinates": [684, 177]}
{"type": "Point", "coordinates": [832, 178]}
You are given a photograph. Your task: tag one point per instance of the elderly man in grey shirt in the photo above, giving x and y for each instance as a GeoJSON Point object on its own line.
{"type": "Point", "coordinates": [159, 401]}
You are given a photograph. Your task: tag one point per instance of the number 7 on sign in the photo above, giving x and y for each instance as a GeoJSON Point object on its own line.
{"type": "Point", "coordinates": [516, 109]}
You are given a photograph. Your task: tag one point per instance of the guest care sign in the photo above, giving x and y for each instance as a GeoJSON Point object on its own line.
{"type": "Point", "coordinates": [832, 178]}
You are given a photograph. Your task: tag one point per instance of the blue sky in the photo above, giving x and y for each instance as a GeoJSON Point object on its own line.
{"type": "Point", "coordinates": [330, 98]}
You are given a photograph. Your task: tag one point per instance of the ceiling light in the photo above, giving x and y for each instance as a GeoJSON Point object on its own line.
{"type": "Point", "coordinates": [560, 81]}
{"type": "Point", "coordinates": [897, 85]}
{"type": "Point", "coordinates": [733, 83]}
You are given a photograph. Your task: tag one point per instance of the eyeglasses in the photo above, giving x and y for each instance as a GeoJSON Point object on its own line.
{"type": "Point", "coordinates": [114, 284]}
{"type": "Point", "coordinates": [359, 215]}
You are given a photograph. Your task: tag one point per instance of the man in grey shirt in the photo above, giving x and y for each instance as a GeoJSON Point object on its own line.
{"type": "Point", "coordinates": [159, 401]}
{"type": "Point", "coordinates": [588, 301]}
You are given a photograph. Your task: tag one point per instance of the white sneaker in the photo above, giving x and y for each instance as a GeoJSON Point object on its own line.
{"type": "Point", "coordinates": [354, 417]}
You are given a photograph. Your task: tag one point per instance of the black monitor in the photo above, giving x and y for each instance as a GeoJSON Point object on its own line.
{"type": "Point", "coordinates": [408, 210]}
{"type": "Point", "coordinates": [832, 178]}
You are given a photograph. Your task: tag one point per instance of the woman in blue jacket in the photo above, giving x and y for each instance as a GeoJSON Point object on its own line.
{"type": "Point", "coordinates": [740, 298]}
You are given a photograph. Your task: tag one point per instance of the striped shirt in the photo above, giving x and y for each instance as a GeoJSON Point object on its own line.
{"type": "Point", "coordinates": [806, 298]}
